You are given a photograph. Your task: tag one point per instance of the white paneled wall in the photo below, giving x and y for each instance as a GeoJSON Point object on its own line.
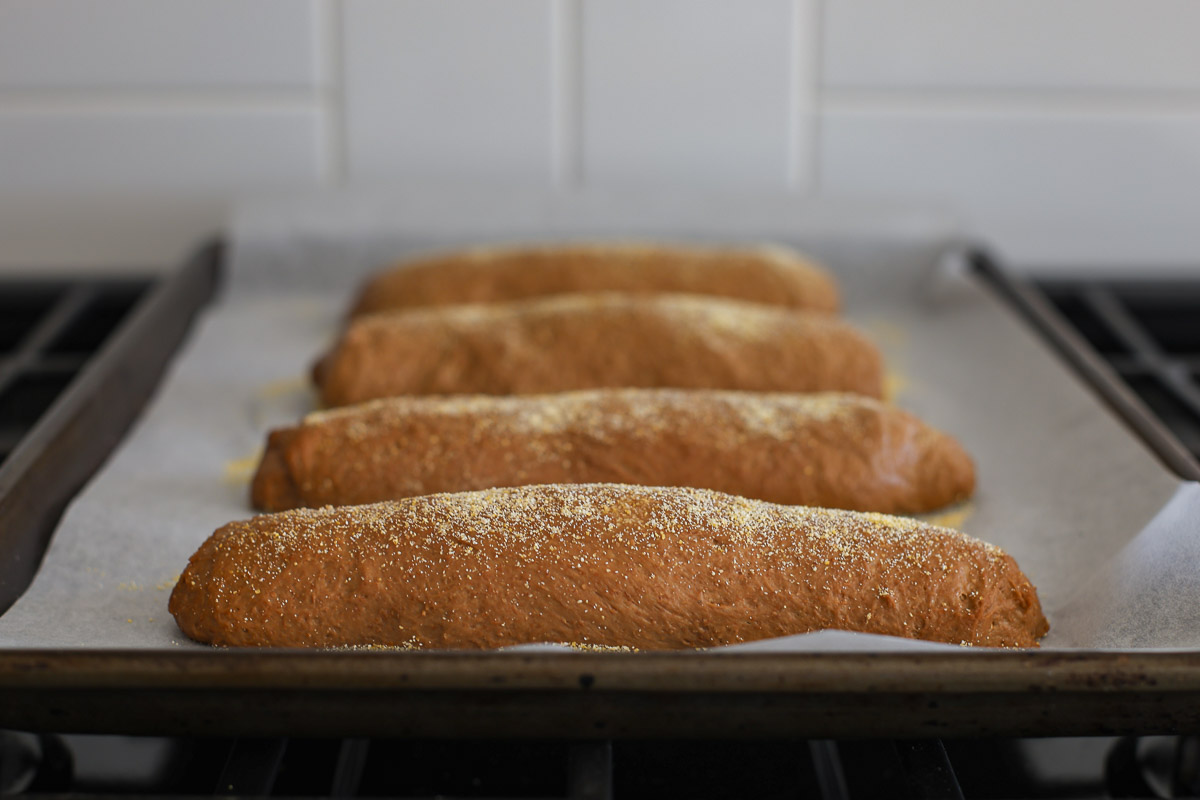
{"type": "Point", "coordinates": [1065, 131]}
{"type": "Point", "coordinates": [1013, 44]}
{"type": "Point", "coordinates": [126, 126]}
{"type": "Point", "coordinates": [123, 44]}
{"type": "Point", "coordinates": [144, 150]}
{"type": "Point", "coordinates": [688, 92]}
{"type": "Point", "coordinates": [448, 88]}
{"type": "Point", "coordinates": [1047, 186]}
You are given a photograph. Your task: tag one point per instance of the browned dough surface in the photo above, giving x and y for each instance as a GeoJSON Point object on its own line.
{"type": "Point", "coordinates": [599, 564]}
{"type": "Point", "coordinates": [770, 274]}
{"type": "Point", "coordinates": [593, 341]}
{"type": "Point", "coordinates": [833, 450]}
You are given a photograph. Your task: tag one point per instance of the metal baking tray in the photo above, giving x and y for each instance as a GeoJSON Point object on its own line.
{"type": "Point", "coordinates": [258, 693]}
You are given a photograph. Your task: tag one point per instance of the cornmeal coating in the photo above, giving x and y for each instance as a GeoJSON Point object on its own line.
{"type": "Point", "coordinates": [595, 564]}
{"type": "Point", "coordinates": [832, 450]}
{"type": "Point", "coordinates": [588, 341]}
{"type": "Point", "coordinates": [769, 274]}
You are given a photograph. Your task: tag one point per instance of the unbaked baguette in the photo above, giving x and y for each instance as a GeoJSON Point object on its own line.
{"type": "Point", "coordinates": [597, 340]}
{"type": "Point", "coordinates": [599, 564]}
{"type": "Point", "coordinates": [834, 450]}
{"type": "Point", "coordinates": [769, 274]}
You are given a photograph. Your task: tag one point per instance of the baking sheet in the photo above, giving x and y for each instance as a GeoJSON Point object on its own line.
{"type": "Point", "coordinates": [1099, 526]}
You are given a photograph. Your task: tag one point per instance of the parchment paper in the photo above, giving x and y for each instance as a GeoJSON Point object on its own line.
{"type": "Point", "coordinates": [1107, 535]}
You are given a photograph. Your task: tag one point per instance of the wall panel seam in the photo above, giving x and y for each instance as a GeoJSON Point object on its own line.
{"type": "Point", "coordinates": [792, 163]}
{"type": "Point", "coordinates": [806, 167]}
{"type": "Point", "coordinates": [566, 100]}
{"type": "Point", "coordinates": [1008, 101]}
{"type": "Point", "coordinates": [331, 26]}
{"type": "Point", "coordinates": [158, 101]}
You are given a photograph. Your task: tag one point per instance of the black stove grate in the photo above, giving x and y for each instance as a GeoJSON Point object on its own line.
{"type": "Point", "coordinates": [595, 770]}
{"type": "Point", "coordinates": [107, 766]}
{"type": "Point", "coordinates": [92, 767]}
{"type": "Point", "coordinates": [1149, 333]}
{"type": "Point", "coordinates": [48, 331]}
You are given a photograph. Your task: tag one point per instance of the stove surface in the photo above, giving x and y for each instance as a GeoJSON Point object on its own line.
{"type": "Point", "coordinates": [1149, 332]}
{"type": "Point", "coordinates": [48, 332]}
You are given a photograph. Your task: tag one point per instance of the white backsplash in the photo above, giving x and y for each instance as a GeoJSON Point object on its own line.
{"type": "Point", "coordinates": [690, 93]}
{"type": "Point", "coordinates": [1064, 131]}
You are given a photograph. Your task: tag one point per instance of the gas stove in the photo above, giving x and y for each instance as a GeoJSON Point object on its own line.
{"type": "Point", "coordinates": [1145, 332]}
{"type": "Point", "coordinates": [1149, 334]}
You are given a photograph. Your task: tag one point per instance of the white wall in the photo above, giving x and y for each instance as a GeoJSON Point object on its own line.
{"type": "Point", "coordinates": [1066, 131]}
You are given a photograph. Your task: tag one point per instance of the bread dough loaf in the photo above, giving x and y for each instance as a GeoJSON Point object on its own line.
{"type": "Point", "coordinates": [593, 341]}
{"type": "Point", "coordinates": [768, 274]}
{"type": "Point", "coordinates": [600, 564]}
{"type": "Point", "coordinates": [836, 450]}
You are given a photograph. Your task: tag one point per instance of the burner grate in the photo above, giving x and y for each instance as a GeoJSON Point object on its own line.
{"type": "Point", "coordinates": [48, 331]}
{"type": "Point", "coordinates": [1149, 333]}
{"type": "Point", "coordinates": [91, 766]}
{"type": "Point", "coordinates": [99, 766]}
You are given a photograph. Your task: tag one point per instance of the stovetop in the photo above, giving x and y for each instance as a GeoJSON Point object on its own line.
{"type": "Point", "coordinates": [1148, 332]}
{"type": "Point", "coordinates": [48, 332]}
{"type": "Point", "coordinates": [96, 766]}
